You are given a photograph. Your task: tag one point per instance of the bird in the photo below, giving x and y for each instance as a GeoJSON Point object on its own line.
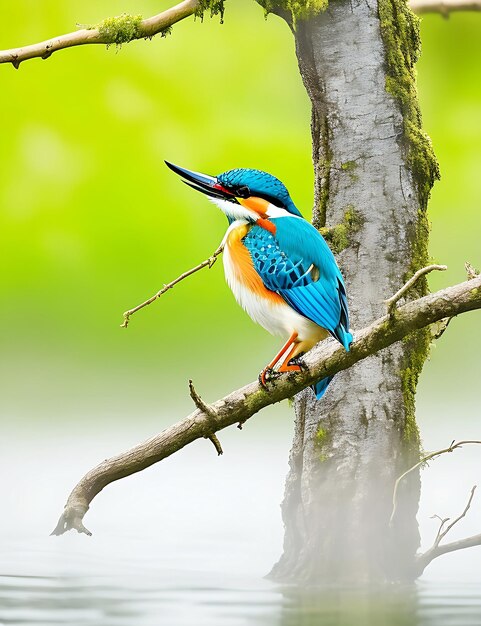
{"type": "Point", "coordinates": [278, 266]}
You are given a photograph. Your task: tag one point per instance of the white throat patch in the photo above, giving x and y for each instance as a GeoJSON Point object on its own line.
{"type": "Point", "coordinates": [234, 210]}
{"type": "Point", "coordinates": [275, 211]}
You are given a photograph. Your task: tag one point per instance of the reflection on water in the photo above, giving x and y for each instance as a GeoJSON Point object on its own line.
{"type": "Point", "coordinates": [183, 544]}
{"type": "Point", "coordinates": [183, 599]}
{"type": "Point", "coordinates": [423, 604]}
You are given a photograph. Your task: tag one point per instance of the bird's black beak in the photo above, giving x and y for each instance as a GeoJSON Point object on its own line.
{"type": "Point", "coordinates": [202, 182]}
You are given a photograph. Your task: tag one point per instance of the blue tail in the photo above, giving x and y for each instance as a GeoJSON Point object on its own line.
{"type": "Point", "coordinates": [345, 338]}
{"type": "Point", "coordinates": [321, 386]}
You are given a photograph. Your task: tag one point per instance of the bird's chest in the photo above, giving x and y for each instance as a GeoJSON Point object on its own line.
{"type": "Point", "coordinates": [260, 303]}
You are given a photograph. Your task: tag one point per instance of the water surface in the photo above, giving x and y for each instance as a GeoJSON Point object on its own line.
{"type": "Point", "coordinates": [186, 543]}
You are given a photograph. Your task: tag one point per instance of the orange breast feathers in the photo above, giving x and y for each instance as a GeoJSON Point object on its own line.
{"type": "Point", "coordinates": [259, 206]}
{"type": "Point", "coordinates": [243, 267]}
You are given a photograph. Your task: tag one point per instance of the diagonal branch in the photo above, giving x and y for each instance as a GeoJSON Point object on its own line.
{"type": "Point", "coordinates": [326, 359]}
{"type": "Point", "coordinates": [143, 29]}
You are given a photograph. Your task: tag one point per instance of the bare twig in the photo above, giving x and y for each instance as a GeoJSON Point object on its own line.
{"type": "Point", "coordinates": [206, 409]}
{"type": "Point", "coordinates": [441, 525]}
{"type": "Point", "coordinates": [471, 271]}
{"type": "Point", "coordinates": [454, 445]}
{"type": "Point", "coordinates": [444, 7]}
{"type": "Point", "coordinates": [199, 403]}
{"type": "Point", "coordinates": [391, 302]}
{"type": "Point", "coordinates": [217, 444]}
{"type": "Point", "coordinates": [440, 536]}
{"type": "Point", "coordinates": [325, 359]}
{"type": "Point", "coordinates": [146, 28]}
{"type": "Point", "coordinates": [438, 549]}
{"type": "Point", "coordinates": [207, 263]}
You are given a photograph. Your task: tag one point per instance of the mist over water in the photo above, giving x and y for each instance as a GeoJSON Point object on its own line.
{"type": "Point", "coordinates": [189, 541]}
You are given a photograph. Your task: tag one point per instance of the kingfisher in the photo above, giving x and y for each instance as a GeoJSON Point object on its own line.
{"type": "Point", "coordinates": [278, 266]}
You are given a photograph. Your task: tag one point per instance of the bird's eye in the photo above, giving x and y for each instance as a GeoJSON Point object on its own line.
{"type": "Point", "coordinates": [243, 192]}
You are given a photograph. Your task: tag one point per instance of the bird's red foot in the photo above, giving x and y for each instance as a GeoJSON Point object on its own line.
{"type": "Point", "coordinates": [269, 373]}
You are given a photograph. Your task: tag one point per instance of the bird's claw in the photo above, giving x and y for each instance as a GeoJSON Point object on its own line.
{"type": "Point", "coordinates": [299, 361]}
{"type": "Point", "coordinates": [267, 375]}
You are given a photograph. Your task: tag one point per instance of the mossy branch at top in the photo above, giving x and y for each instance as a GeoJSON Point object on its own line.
{"type": "Point", "coordinates": [291, 10]}
{"type": "Point", "coordinates": [339, 236]}
{"type": "Point", "coordinates": [297, 9]}
{"type": "Point", "coordinates": [111, 31]}
{"type": "Point", "coordinates": [402, 43]}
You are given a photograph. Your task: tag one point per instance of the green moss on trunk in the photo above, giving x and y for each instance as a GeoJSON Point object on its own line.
{"type": "Point", "coordinates": [322, 438]}
{"type": "Point", "coordinates": [339, 237]}
{"type": "Point", "coordinates": [400, 33]}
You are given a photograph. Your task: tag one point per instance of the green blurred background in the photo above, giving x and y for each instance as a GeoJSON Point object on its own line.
{"type": "Point", "coordinates": [92, 222]}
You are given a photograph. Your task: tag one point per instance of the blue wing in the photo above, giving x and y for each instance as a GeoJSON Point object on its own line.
{"type": "Point", "coordinates": [297, 263]}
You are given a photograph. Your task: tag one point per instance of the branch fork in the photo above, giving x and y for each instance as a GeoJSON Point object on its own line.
{"type": "Point", "coordinates": [393, 300]}
{"type": "Point", "coordinates": [211, 417]}
{"type": "Point", "coordinates": [438, 548]}
{"type": "Point", "coordinates": [442, 533]}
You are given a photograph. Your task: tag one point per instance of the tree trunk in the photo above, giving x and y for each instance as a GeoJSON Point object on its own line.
{"type": "Point", "coordinates": [374, 168]}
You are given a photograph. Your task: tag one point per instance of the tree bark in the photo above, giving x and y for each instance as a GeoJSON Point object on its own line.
{"type": "Point", "coordinates": [374, 168]}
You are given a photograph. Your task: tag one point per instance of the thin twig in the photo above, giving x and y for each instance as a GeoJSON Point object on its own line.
{"type": "Point", "coordinates": [440, 536]}
{"type": "Point", "coordinates": [471, 271]}
{"type": "Point", "coordinates": [325, 359]}
{"type": "Point", "coordinates": [454, 445]}
{"type": "Point", "coordinates": [217, 445]}
{"type": "Point", "coordinates": [210, 413]}
{"type": "Point", "coordinates": [441, 525]}
{"type": "Point", "coordinates": [391, 302]}
{"type": "Point", "coordinates": [207, 263]}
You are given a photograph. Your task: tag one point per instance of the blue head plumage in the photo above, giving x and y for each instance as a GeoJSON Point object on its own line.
{"type": "Point", "coordinates": [261, 184]}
